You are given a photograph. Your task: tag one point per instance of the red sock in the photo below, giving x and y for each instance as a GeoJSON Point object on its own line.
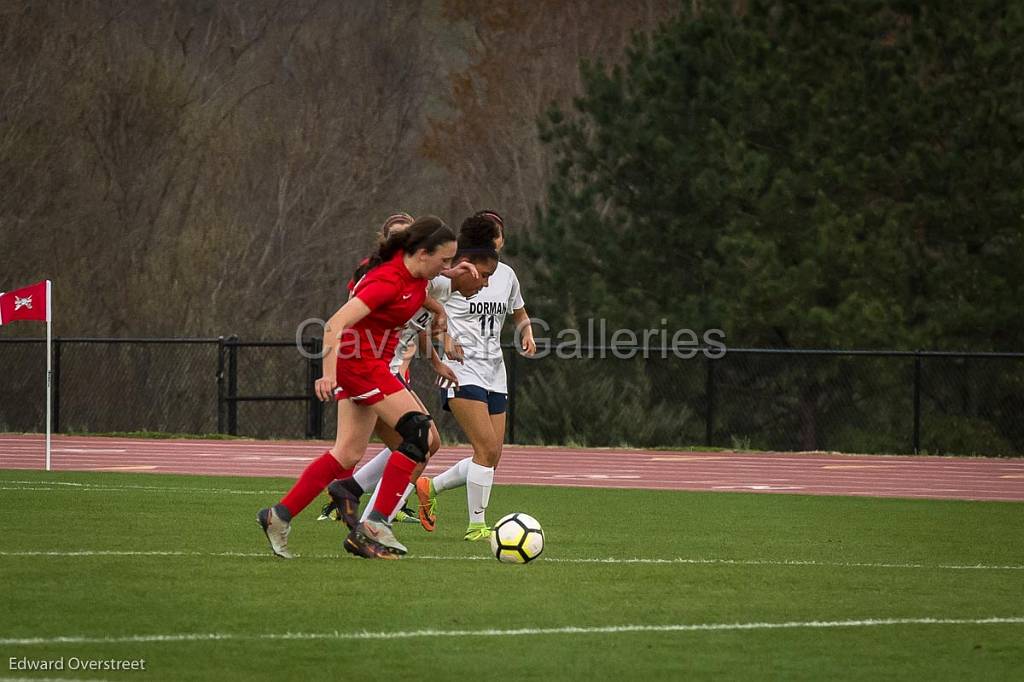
{"type": "Point", "coordinates": [313, 480]}
{"type": "Point", "coordinates": [393, 482]}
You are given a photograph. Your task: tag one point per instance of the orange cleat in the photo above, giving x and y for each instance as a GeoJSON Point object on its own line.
{"type": "Point", "coordinates": [428, 503]}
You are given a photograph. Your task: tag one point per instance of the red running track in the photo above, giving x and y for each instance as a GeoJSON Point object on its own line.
{"type": "Point", "coordinates": [771, 472]}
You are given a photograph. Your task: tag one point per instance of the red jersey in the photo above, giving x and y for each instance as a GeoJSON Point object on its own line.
{"type": "Point", "coordinates": [393, 296]}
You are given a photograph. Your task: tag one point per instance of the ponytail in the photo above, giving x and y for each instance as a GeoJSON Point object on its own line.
{"type": "Point", "coordinates": [382, 236]}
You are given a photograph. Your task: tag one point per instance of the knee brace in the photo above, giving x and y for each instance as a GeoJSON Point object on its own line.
{"type": "Point", "coordinates": [414, 428]}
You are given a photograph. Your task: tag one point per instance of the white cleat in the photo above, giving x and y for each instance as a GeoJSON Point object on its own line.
{"type": "Point", "coordinates": [277, 530]}
{"type": "Point", "coordinates": [382, 534]}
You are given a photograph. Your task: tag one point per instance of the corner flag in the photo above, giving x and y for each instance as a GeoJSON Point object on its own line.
{"type": "Point", "coordinates": [34, 302]}
{"type": "Point", "coordinates": [28, 303]}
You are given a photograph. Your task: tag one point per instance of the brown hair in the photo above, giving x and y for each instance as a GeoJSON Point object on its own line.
{"type": "Point", "coordinates": [477, 235]}
{"type": "Point", "coordinates": [492, 215]}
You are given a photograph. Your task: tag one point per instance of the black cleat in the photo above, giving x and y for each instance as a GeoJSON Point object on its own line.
{"type": "Point", "coordinates": [344, 504]}
{"type": "Point", "coordinates": [359, 544]}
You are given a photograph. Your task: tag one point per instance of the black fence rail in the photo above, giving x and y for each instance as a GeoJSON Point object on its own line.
{"type": "Point", "coordinates": [853, 401]}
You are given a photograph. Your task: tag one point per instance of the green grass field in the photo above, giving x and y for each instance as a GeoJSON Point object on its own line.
{"type": "Point", "coordinates": [174, 570]}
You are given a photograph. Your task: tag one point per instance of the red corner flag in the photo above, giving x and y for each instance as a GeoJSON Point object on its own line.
{"type": "Point", "coordinates": [28, 303]}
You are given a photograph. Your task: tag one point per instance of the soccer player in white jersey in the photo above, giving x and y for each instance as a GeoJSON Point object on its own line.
{"type": "Point", "coordinates": [345, 494]}
{"type": "Point", "coordinates": [480, 400]}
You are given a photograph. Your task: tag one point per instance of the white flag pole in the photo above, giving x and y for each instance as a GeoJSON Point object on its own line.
{"type": "Point", "coordinates": [49, 366]}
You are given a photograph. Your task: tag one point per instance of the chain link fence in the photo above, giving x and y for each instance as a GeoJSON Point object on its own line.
{"type": "Point", "coordinates": [22, 385]}
{"type": "Point", "coordinates": [851, 401]}
{"type": "Point", "coordinates": [107, 385]}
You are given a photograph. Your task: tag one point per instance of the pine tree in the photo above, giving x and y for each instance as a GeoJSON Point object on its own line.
{"type": "Point", "coordinates": [817, 174]}
{"type": "Point", "coordinates": [824, 174]}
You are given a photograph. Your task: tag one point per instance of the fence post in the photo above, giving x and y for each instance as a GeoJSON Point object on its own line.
{"type": "Point", "coordinates": [917, 402]}
{"type": "Point", "coordinates": [221, 403]}
{"type": "Point", "coordinates": [512, 396]}
{"type": "Point", "coordinates": [314, 408]}
{"type": "Point", "coordinates": [709, 414]}
{"type": "Point", "coordinates": [56, 385]}
{"type": "Point", "coordinates": [232, 385]}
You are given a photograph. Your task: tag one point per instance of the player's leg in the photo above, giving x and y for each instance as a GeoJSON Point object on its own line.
{"type": "Point", "coordinates": [498, 425]}
{"type": "Point", "coordinates": [330, 511]}
{"type": "Point", "coordinates": [401, 411]}
{"type": "Point", "coordinates": [497, 407]}
{"type": "Point", "coordinates": [427, 512]}
{"type": "Point", "coordinates": [374, 545]}
{"type": "Point", "coordinates": [407, 416]}
{"type": "Point", "coordinates": [455, 475]}
{"type": "Point", "coordinates": [474, 418]}
{"type": "Point", "coordinates": [370, 479]}
{"type": "Point", "coordinates": [393, 439]}
{"type": "Point", "coordinates": [426, 515]}
{"type": "Point", "coordinates": [345, 493]}
{"type": "Point", "coordinates": [337, 462]}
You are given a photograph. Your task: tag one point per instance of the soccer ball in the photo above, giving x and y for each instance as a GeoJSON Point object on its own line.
{"type": "Point", "coordinates": [517, 539]}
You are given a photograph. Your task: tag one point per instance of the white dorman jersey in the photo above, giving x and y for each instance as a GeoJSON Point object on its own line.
{"type": "Point", "coordinates": [476, 324]}
{"type": "Point", "coordinates": [439, 289]}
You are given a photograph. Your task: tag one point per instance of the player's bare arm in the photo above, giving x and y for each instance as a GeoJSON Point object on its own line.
{"type": "Point", "coordinates": [439, 323]}
{"type": "Point", "coordinates": [445, 376]}
{"type": "Point", "coordinates": [463, 266]}
{"type": "Point", "coordinates": [347, 315]}
{"type": "Point", "coordinates": [523, 327]}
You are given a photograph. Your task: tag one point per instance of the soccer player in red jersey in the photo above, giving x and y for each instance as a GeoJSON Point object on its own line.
{"type": "Point", "coordinates": [360, 340]}
{"type": "Point", "coordinates": [477, 249]}
{"type": "Point", "coordinates": [344, 504]}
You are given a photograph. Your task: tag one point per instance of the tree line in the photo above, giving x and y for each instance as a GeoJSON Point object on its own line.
{"type": "Point", "coordinates": [197, 168]}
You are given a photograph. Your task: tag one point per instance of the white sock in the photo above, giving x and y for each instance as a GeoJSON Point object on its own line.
{"type": "Point", "coordinates": [369, 505]}
{"type": "Point", "coordinates": [369, 474]}
{"type": "Point", "coordinates": [373, 500]}
{"type": "Point", "coordinates": [401, 503]}
{"type": "Point", "coordinates": [454, 477]}
{"type": "Point", "coordinates": [478, 491]}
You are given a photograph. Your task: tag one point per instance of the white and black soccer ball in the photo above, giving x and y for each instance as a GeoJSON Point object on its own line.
{"type": "Point", "coordinates": [517, 539]}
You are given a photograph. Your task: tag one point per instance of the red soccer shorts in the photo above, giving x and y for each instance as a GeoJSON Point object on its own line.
{"type": "Point", "coordinates": [365, 382]}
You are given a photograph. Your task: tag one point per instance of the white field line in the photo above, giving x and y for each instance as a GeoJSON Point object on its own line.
{"type": "Point", "coordinates": [605, 560]}
{"type": "Point", "coordinates": [516, 632]}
